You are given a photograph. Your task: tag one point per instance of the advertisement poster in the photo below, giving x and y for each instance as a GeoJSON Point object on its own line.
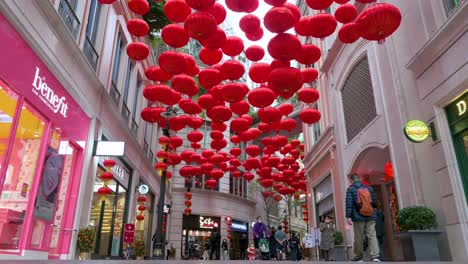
{"type": "Point", "coordinates": [49, 185]}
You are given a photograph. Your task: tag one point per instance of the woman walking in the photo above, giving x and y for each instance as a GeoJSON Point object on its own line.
{"type": "Point", "coordinates": [327, 243]}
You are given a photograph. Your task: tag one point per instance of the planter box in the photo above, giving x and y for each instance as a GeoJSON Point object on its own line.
{"type": "Point", "coordinates": [420, 245]}
{"type": "Point", "coordinates": [340, 253]}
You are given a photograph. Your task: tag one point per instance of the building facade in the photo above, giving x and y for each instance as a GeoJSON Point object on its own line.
{"type": "Point", "coordinates": [373, 89]}
{"type": "Point", "coordinates": [69, 84]}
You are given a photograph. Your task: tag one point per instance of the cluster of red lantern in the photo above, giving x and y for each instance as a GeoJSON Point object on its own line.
{"type": "Point", "coordinates": [228, 226]}
{"type": "Point", "coordinates": [164, 223]}
{"type": "Point", "coordinates": [286, 226]}
{"type": "Point", "coordinates": [141, 208]}
{"type": "Point", "coordinates": [305, 212]}
{"type": "Point", "coordinates": [106, 177]}
{"type": "Point", "coordinates": [188, 203]}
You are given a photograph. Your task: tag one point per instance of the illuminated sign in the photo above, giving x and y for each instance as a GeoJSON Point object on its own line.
{"type": "Point", "coordinates": [48, 95]}
{"type": "Point", "coordinates": [238, 226]}
{"type": "Point", "coordinates": [143, 189]}
{"type": "Point", "coordinates": [417, 131]}
{"type": "Point", "coordinates": [207, 222]}
{"type": "Point", "coordinates": [109, 148]}
{"type": "Point", "coordinates": [462, 107]}
{"type": "Point", "coordinates": [167, 208]}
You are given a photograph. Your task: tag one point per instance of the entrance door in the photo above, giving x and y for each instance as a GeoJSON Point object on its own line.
{"type": "Point", "coordinates": [461, 149]}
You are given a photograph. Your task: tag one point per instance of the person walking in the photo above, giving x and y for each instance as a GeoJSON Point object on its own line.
{"type": "Point", "coordinates": [273, 244]}
{"type": "Point", "coordinates": [260, 230]}
{"type": "Point", "coordinates": [361, 214]}
{"type": "Point", "coordinates": [280, 237]}
{"type": "Point", "coordinates": [243, 245]}
{"type": "Point", "coordinates": [294, 246]}
{"type": "Point", "coordinates": [327, 239]}
{"type": "Point", "coordinates": [215, 241]}
{"type": "Point", "coordinates": [225, 250]}
{"type": "Point", "coordinates": [380, 230]}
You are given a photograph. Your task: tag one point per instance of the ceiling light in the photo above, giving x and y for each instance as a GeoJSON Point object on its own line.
{"type": "Point", "coordinates": [36, 134]}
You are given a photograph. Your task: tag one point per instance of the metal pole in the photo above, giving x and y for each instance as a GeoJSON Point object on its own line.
{"type": "Point", "coordinates": [158, 246]}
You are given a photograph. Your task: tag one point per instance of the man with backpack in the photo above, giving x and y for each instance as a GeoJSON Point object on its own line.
{"type": "Point", "coordinates": [361, 214]}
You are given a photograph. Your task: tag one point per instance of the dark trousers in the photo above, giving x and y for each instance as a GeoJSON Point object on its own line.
{"type": "Point", "coordinates": [327, 255]}
{"type": "Point", "coordinates": [215, 252]}
{"type": "Point", "coordinates": [242, 254]}
{"type": "Point", "coordinates": [380, 239]}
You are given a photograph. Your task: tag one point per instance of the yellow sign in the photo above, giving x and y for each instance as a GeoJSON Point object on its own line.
{"type": "Point", "coordinates": [462, 107]}
{"type": "Point", "coordinates": [417, 131]}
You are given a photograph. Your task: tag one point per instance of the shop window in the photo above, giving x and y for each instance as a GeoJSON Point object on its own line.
{"type": "Point", "coordinates": [451, 5]}
{"type": "Point", "coordinates": [114, 91]}
{"type": "Point", "coordinates": [68, 12]}
{"type": "Point", "coordinates": [125, 110]}
{"type": "Point", "coordinates": [89, 48]}
{"type": "Point", "coordinates": [358, 99]}
{"type": "Point", "coordinates": [238, 186]}
{"type": "Point", "coordinates": [143, 229]}
{"type": "Point", "coordinates": [19, 170]}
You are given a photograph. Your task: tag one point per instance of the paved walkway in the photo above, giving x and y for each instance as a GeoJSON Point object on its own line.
{"type": "Point", "coordinates": [171, 262]}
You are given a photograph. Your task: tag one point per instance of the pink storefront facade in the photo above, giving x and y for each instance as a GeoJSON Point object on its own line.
{"type": "Point", "coordinates": [43, 135]}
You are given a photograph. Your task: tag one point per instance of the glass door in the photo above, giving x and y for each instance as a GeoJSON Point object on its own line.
{"type": "Point", "coordinates": [461, 149]}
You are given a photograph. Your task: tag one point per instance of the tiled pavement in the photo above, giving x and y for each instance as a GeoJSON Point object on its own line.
{"type": "Point", "coordinates": [167, 262]}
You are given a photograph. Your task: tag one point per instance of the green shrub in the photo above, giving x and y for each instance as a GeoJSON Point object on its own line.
{"type": "Point", "coordinates": [416, 218]}
{"type": "Point", "coordinates": [338, 237]}
{"type": "Point", "coordinates": [85, 240]}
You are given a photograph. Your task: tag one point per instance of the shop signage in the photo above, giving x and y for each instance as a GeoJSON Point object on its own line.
{"type": "Point", "coordinates": [143, 189]}
{"type": "Point", "coordinates": [238, 226]}
{"type": "Point", "coordinates": [417, 131]}
{"type": "Point", "coordinates": [109, 148]}
{"type": "Point", "coordinates": [129, 233]}
{"type": "Point", "coordinates": [207, 222]}
{"type": "Point", "coordinates": [462, 107]}
{"type": "Point", "coordinates": [121, 173]}
{"type": "Point", "coordinates": [167, 208]}
{"type": "Point", "coordinates": [48, 96]}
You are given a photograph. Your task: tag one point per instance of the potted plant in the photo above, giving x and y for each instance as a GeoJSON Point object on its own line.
{"type": "Point", "coordinates": [418, 233]}
{"type": "Point", "coordinates": [139, 249]}
{"type": "Point", "coordinates": [85, 242]}
{"type": "Point", "coordinates": [340, 250]}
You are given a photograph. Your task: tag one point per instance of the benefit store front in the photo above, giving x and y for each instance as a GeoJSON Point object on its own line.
{"type": "Point", "coordinates": [43, 133]}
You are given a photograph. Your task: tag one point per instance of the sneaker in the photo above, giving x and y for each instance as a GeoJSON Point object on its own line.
{"type": "Point", "coordinates": [356, 259]}
{"type": "Point", "coordinates": [376, 260]}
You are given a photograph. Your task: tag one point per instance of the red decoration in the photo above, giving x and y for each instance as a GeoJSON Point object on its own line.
{"type": "Point", "coordinates": [259, 72]}
{"type": "Point", "coordinates": [195, 136]}
{"type": "Point", "coordinates": [309, 54]}
{"type": "Point", "coordinates": [319, 4]}
{"type": "Point", "coordinates": [242, 5]}
{"type": "Point", "coordinates": [140, 217]}
{"type": "Point", "coordinates": [211, 183]}
{"type": "Point", "coordinates": [210, 56]}
{"type": "Point", "coordinates": [195, 122]}
{"type": "Point", "coordinates": [174, 35]}
{"type": "Point", "coordinates": [141, 208]}
{"type": "Point", "coordinates": [257, 35]}
{"type": "Point", "coordinates": [321, 25]}
{"type": "Point", "coordinates": [209, 78]}
{"type": "Point", "coordinates": [254, 53]}
{"type": "Point", "coordinates": [279, 19]}
{"type": "Point", "coordinates": [253, 150]}
{"type": "Point", "coordinates": [141, 199]}
{"type": "Point", "coordinates": [267, 183]}
{"type": "Point", "coordinates": [248, 176]}
{"type": "Point", "coordinates": [309, 75]}
{"type": "Point", "coordinates": [200, 4]}
{"type": "Point", "coordinates": [188, 203]}
{"type": "Point", "coordinates": [155, 73]}
{"type": "Point", "coordinates": [277, 197]}
{"type": "Point", "coordinates": [138, 51]}
{"type": "Point", "coordinates": [139, 7]}
{"type": "Point", "coordinates": [218, 126]}
{"type": "Point", "coordinates": [310, 116]}
{"type": "Point", "coordinates": [205, 101]}
{"type": "Point", "coordinates": [232, 70]}
{"type": "Point", "coordinates": [173, 62]}
{"type": "Point", "coordinates": [215, 40]}
{"type": "Point", "coordinates": [219, 113]}
{"type": "Point", "coordinates": [295, 10]}
{"type": "Point", "coordinates": [137, 27]}
{"type": "Point", "coordinates": [288, 124]}
{"type": "Point", "coordinates": [249, 23]}
{"type": "Point", "coordinates": [240, 108]}
{"type": "Point", "coordinates": [285, 81]}
{"type": "Point", "coordinates": [275, 2]}
{"type": "Point", "coordinates": [109, 163]}
{"type": "Point", "coordinates": [106, 2]}
{"type": "Point", "coordinates": [346, 13]}
{"type": "Point", "coordinates": [284, 46]}
{"type": "Point", "coordinates": [302, 27]}
{"type": "Point", "coordinates": [378, 21]}
{"type": "Point", "coordinates": [200, 24]}
{"type": "Point", "coordinates": [269, 115]}
{"type": "Point", "coordinates": [286, 108]}
{"type": "Point", "coordinates": [234, 92]}
{"type": "Point", "coordinates": [280, 64]}
{"type": "Point", "coordinates": [152, 114]}
{"type": "Point", "coordinates": [218, 11]}
{"type": "Point", "coordinates": [261, 97]}
{"type": "Point", "coordinates": [308, 95]}
{"type": "Point", "coordinates": [365, 1]}
{"type": "Point", "coordinates": [233, 46]}
{"type": "Point", "coordinates": [348, 33]}
{"type": "Point", "coordinates": [187, 211]}
{"type": "Point", "coordinates": [177, 10]}
{"type": "Point", "coordinates": [341, 1]}
{"type": "Point", "coordinates": [188, 195]}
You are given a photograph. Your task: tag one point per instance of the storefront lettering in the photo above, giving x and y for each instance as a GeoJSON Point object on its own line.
{"type": "Point", "coordinates": [48, 96]}
{"type": "Point", "coordinates": [238, 226]}
{"type": "Point", "coordinates": [119, 172]}
{"type": "Point", "coordinates": [462, 107]}
{"type": "Point", "coordinates": [206, 222]}
{"type": "Point", "coordinates": [417, 131]}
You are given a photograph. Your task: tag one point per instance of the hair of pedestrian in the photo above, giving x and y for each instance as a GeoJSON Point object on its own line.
{"type": "Point", "coordinates": [280, 227]}
{"type": "Point", "coordinates": [355, 178]}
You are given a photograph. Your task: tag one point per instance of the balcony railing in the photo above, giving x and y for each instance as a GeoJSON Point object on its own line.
{"type": "Point", "coordinates": [115, 94]}
{"type": "Point", "coordinates": [451, 5]}
{"type": "Point", "coordinates": [69, 17]}
{"type": "Point", "coordinates": [125, 112]}
{"type": "Point", "coordinates": [90, 52]}
{"type": "Point", "coordinates": [134, 127]}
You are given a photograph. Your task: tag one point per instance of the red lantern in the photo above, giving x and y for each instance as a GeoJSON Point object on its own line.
{"type": "Point", "coordinates": [177, 123]}
{"type": "Point", "coordinates": [158, 92]}
{"type": "Point", "coordinates": [306, 219]}
{"type": "Point", "coordinates": [192, 68]}
{"type": "Point", "coordinates": [174, 35]}
{"type": "Point", "coordinates": [235, 152]}
{"type": "Point", "coordinates": [139, 7]}
{"type": "Point", "coordinates": [249, 23]}
{"type": "Point", "coordinates": [103, 191]}
{"type": "Point", "coordinates": [302, 27]}
{"type": "Point", "coordinates": [279, 19]}
{"type": "Point", "coordinates": [200, 24]}
{"type": "Point", "coordinates": [267, 183]}
{"type": "Point", "coordinates": [188, 195]}
{"type": "Point", "coordinates": [141, 208]}
{"type": "Point", "coordinates": [140, 217]}
{"type": "Point", "coordinates": [310, 116]}
{"type": "Point", "coordinates": [218, 11]}
{"type": "Point", "coordinates": [259, 72]}
{"type": "Point", "coordinates": [236, 174]}
{"type": "Point", "coordinates": [240, 108]}
{"type": "Point", "coordinates": [253, 150]}
{"type": "Point", "coordinates": [107, 176]}
{"type": "Point", "coordinates": [309, 75]}
{"type": "Point", "coordinates": [216, 135]}
{"type": "Point", "coordinates": [322, 25]}
{"type": "Point", "coordinates": [365, 1]}
{"type": "Point", "coordinates": [109, 163]}
{"type": "Point", "coordinates": [195, 122]}
{"type": "Point", "coordinates": [275, 2]}
{"type": "Point", "coordinates": [277, 197]}
{"type": "Point", "coordinates": [210, 56]}
{"type": "Point", "coordinates": [280, 64]}
{"type": "Point", "coordinates": [248, 176]}
{"type": "Point", "coordinates": [176, 141]}
{"type": "Point", "coordinates": [341, 1]}
{"type": "Point", "coordinates": [211, 183]}
{"type": "Point", "coordinates": [152, 114]}
{"type": "Point", "coordinates": [261, 97]}
{"type": "Point", "coordinates": [285, 81]}
{"type": "Point", "coordinates": [209, 78]}
{"type": "Point", "coordinates": [188, 203]}
{"type": "Point", "coordinates": [346, 13]}
{"type": "Point", "coordinates": [284, 46]}
{"type": "Point", "coordinates": [288, 124]}
{"type": "Point", "coordinates": [195, 136]}
{"type": "Point", "coordinates": [234, 92]}
{"type": "Point", "coordinates": [257, 35]}
{"type": "Point", "coordinates": [378, 21]}
{"type": "Point", "coordinates": [215, 40]}
{"type": "Point", "coordinates": [286, 108]}
{"type": "Point", "coordinates": [219, 113]}
{"type": "Point", "coordinates": [319, 4]}
{"type": "Point", "coordinates": [269, 115]}
{"type": "Point", "coordinates": [161, 166]}
{"type": "Point", "coordinates": [309, 54]}
{"type": "Point", "coordinates": [200, 4]}
{"type": "Point", "coordinates": [205, 101]}
{"type": "Point", "coordinates": [137, 51]}
{"type": "Point", "coordinates": [185, 84]}
{"type": "Point", "coordinates": [242, 5]}
{"type": "Point", "coordinates": [348, 33]}
{"type": "Point", "coordinates": [254, 53]}
{"type": "Point", "coordinates": [295, 10]}
{"type": "Point", "coordinates": [187, 211]}
{"type": "Point", "coordinates": [233, 46]}
{"type": "Point", "coordinates": [232, 70]}
{"type": "Point", "coordinates": [155, 73]}
{"type": "Point", "coordinates": [141, 199]}
{"type": "Point", "coordinates": [177, 10]}
{"type": "Point", "coordinates": [137, 27]}
{"type": "Point", "coordinates": [219, 126]}
{"type": "Point", "coordinates": [106, 2]}
{"type": "Point", "coordinates": [173, 62]}
{"type": "Point", "coordinates": [308, 95]}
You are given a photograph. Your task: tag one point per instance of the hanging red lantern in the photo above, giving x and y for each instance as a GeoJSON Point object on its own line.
{"type": "Point", "coordinates": [277, 197]}
{"type": "Point", "coordinates": [288, 124]}
{"type": "Point", "coordinates": [177, 10]}
{"type": "Point", "coordinates": [103, 191]}
{"type": "Point", "coordinates": [346, 13]}
{"type": "Point", "coordinates": [192, 68]}
{"type": "Point", "coordinates": [234, 92]}
{"type": "Point", "coordinates": [232, 70]}
{"type": "Point", "coordinates": [195, 136]}
{"type": "Point", "coordinates": [309, 75]}
{"type": "Point", "coordinates": [200, 24]}
{"type": "Point", "coordinates": [157, 92]}
{"type": "Point", "coordinates": [284, 46]}
{"type": "Point", "coordinates": [195, 122]}
{"type": "Point", "coordinates": [218, 11]}
{"type": "Point", "coordinates": [322, 25]}
{"type": "Point", "coordinates": [177, 123]}
{"type": "Point", "coordinates": [141, 208]}
{"type": "Point", "coordinates": [216, 135]}
{"type": "Point", "coordinates": [152, 114]}
{"type": "Point", "coordinates": [259, 72]}
{"type": "Point", "coordinates": [248, 176]}
{"type": "Point", "coordinates": [188, 203]}
{"type": "Point", "coordinates": [261, 97]}
{"type": "Point", "coordinates": [256, 36]}
{"type": "Point", "coordinates": [302, 27]}
{"type": "Point", "coordinates": [319, 4]}
{"type": "Point", "coordinates": [233, 46]}
{"type": "Point", "coordinates": [306, 219]}
{"type": "Point", "coordinates": [275, 2]}
{"type": "Point", "coordinates": [267, 183]}
{"type": "Point", "coordinates": [173, 62]}
{"type": "Point", "coordinates": [109, 163]}
{"type": "Point", "coordinates": [174, 35]}
{"type": "Point", "coordinates": [176, 141]}
{"type": "Point", "coordinates": [188, 211]}
{"type": "Point", "coordinates": [209, 78]}
{"type": "Point", "coordinates": [308, 95]}
{"type": "Point", "coordinates": [310, 116]}
{"type": "Point", "coordinates": [242, 5]}
{"type": "Point", "coordinates": [200, 4]}
{"type": "Point", "coordinates": [106, 2]}
{"type": "Point", "coordinates": [235, 152]}
{"type": "Point", "coordinates": [275, 64]}
{"type": "Point", "coordinates": [219, 126]}
{"type": "Point", "coordinates": [210, 56]}
{"type": "Point", "coordinates": [240, 108]}
{"type": "Point", "coordinates": [139, 7]}
{"type": "Point", "coordinates": [215, 40]}
{"type": "Point", "coordinates": [188, 195]}
{"type": "Point", "coordinates": [378, 21]}
{"type": "Point", "coordinates": [279, 19]}
{"type": "Point", "coordinates": [341, 1]}
{"type": "Point", "coordinates": [236, 174]}
{"type": "Point", "coordinates": [252, 150]}
{"type": "Point", "coordinates": [285, 81]}
{"type": "Point", "coordinates": [140, 217]}
{"type": "Point", "coordinates": [205, 101]}
{"type": "Point", "coordinates": [185, 84]}
{"type": "Point", "coordinates": [138, 51]}
{"type": "Point", "coordinates": [254, 53]}
{"type": "Point", "coordinates": [286, 108]}
{"type": "Point", "coordinates": [106, 176]}
{"type": "Point", "coordinates": [155, 73]}
{"type": "Point", "coordinates": [137, 27]}
{"type": "Point", "coordinates": [348, 33]}
{"type": "Point", "coordinates": [211, 183]}
{"type": "Point", "coordinates": [249, 23]}
{"type": "Point", "coordinates": [309, 54]}
{"type": "Point", "coordinates": [269, 115]}
{"type": "Point", "coordinates": [365, 1]}
{"type": "Point", "coordinates": [295, 10]}
{"type": "Point", "coordinates": [219, 114]}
